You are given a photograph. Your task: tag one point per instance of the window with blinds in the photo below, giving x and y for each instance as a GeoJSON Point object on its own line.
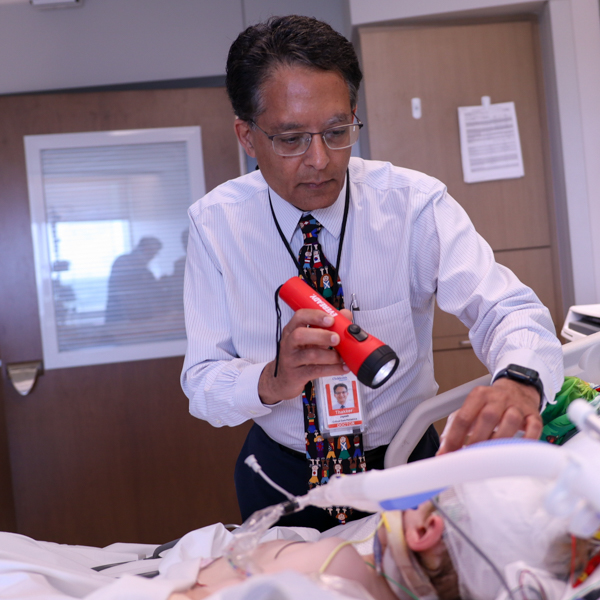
{"type": "Point", "coordinates": [109, 223]}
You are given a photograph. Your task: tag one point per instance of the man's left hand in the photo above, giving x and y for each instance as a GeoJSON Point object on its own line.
{"type": "Point", "coordinates": [497, 411]}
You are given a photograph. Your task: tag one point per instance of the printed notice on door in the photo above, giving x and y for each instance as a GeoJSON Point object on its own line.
{"type": "Point", "coordinates": [489, 142]}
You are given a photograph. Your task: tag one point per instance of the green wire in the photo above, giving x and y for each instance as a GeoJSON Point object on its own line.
{"type": "Point", "coordinates": [404, 589]}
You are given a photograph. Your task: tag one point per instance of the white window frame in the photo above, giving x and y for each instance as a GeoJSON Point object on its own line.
{"type": "Point", "coordinates": [34, 145]}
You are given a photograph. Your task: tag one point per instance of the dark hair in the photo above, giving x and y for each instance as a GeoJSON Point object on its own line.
{"type": "Point", "coordinates": [149, 244]}
{"type": "Point", "coordinates": [290, 40]}
{"type": "Point", "coordinates": [444, 579]}
{"type": "Point", "coordinates": [335, 387]}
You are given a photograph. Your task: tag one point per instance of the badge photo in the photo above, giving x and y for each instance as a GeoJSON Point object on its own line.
{"type": "Point", "coordinates": [339, 405]}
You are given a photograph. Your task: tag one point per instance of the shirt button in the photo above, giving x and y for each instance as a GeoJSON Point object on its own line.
{"type": "Point", "coordinates": [218, 421]}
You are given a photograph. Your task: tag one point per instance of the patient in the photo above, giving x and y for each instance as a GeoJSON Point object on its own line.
{"type": "Point", "coordinates": [418, 554]}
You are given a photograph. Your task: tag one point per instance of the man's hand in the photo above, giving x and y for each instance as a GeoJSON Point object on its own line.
{"type": "Point", "coordinates": [306, 352]}
{"type": "Point", "coordinates": [497, 411]}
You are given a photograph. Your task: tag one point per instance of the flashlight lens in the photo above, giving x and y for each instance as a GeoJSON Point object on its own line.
{"type": "Point", "coordinates": [384, 372]}
{"type": "Point", "coordinates": [378, 367]}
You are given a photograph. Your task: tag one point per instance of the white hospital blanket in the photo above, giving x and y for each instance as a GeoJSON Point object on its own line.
{"type": "Point", "coordinates": [35, 570]}
{"type": "Point", "coordinates": [32, 570]}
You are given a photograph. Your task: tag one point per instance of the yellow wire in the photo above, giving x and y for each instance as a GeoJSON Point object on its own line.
{"type": "Point", "coordinates": [382, 521]}
{"type": "Point", "coordinates": [334, 552]}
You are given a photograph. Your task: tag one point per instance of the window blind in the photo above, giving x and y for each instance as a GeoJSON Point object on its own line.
{"type": "Point", "coordinates": [115, 218]}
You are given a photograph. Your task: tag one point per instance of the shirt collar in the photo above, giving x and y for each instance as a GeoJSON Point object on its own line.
{"type": "Point", "coordinates": [288, 215]}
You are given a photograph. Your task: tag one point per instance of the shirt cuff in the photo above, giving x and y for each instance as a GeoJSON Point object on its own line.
{"type": "Point", "coordinates": [246, 397]}
{"type": "Point", "coordinates": [530, 360]}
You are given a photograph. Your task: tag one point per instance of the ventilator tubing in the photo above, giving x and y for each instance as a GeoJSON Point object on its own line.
{"type": "Point", "coordinates": [576, 471]}
{"type": "Point", "coordinates": [372, 361]}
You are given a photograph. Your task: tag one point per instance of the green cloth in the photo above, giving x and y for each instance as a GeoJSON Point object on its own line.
{"type": "Point", "coordinates": [557, 426]}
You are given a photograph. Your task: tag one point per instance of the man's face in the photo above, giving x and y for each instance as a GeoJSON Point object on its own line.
{"type": "Point", "coordinates": [300, 99]}
{"type": "Point", "coordinates": [340, 395]}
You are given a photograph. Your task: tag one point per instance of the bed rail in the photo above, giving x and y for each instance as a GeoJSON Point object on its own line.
{"type": "Point", "coordinates": [581, 359]}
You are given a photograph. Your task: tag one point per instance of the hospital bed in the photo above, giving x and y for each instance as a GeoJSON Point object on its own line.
{"type": "Point", "coordinates": [581, 359]}
{"type": "Point", "coordinates": [44, 571]}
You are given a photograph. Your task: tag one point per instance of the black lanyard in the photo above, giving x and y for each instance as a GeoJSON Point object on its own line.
{"type": "Point", "coordinates": [342, 233]}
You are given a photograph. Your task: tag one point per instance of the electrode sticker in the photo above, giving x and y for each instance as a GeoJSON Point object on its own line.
{"type": "Point", "coordinates": [339, 404]}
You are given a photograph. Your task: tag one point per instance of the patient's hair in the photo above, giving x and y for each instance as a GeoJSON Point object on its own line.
{"type": "Point", "coordinates": [444, 579]}
{"type": "Point", "coordinates": [559, 561]}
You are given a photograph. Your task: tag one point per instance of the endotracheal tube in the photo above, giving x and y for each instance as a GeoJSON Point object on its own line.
{"type": "Point", "coordinates": [247, 537]}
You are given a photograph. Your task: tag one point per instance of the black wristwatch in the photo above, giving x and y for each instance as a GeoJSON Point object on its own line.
{"type": "Point", "coordinates": [523, 375]}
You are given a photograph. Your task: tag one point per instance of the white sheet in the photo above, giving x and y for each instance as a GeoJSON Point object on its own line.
{"type": "Point", "coordinates": [35, 570]}
{"type": "Point", "coordinates": [32, 570]}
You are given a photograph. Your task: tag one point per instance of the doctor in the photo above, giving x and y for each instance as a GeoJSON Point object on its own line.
{"type": "Point", "coordinates": [340, 391]}
{"type": "Point", "coordinates": [393, 237]}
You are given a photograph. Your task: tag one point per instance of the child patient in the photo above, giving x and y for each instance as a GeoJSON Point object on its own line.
{"type": "Point", "coordinates": [419, 554]}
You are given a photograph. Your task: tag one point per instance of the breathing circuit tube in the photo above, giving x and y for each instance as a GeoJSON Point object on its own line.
{"type": "Point", "coordinates": [407, 485]}
{"type": "Point", "coordinates": [575, 467]}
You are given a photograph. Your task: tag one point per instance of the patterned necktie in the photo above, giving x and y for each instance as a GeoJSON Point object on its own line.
{"type": "Point", "coordinates": [333, 455]}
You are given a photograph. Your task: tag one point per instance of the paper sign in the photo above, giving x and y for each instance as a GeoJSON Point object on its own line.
{"type": "Point", "coordinates": [489, 142]}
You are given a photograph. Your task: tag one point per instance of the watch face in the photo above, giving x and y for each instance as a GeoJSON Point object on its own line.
{"type": "Point", "coordinates": [523, 372]}
{"type": "Point", "coordinates": [525, 376]}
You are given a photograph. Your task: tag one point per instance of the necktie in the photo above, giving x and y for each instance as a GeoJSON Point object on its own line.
{"type": "Point", "coordinates": [326, 456]}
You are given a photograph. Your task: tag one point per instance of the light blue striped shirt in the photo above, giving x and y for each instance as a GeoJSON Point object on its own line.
{"type": "Point", "coordinates": [406, 240]}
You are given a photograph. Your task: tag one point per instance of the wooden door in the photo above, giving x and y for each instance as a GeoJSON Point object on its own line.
{"type": "Point", "coordinates": [104, 453]}
{"type": "Point", "coordinates": [452, 65]}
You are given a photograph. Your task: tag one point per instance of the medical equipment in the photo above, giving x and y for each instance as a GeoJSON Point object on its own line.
{"type": "Point", "coordinates": [494, 523]}
{"type": "Point", "coordinates": [368, 358]}
{"type": "Point", "coordinates": [248, 535]}
{"type": "Point", "coordinates": [573, 496]}
{"type": "Point", "coordinates": [581, 358]}
{"type": "Point", "coordinates": [576, 494]}
{"type": "Point", "coordinates": [581, 321]}
{"type": "Point", "coordinates": [564, 478]}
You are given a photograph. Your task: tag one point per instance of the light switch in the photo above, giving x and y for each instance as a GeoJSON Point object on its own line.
{"type": "Point", "coordinates": [416, 108]}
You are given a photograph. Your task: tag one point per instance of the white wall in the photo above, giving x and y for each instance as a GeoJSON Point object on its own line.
{"type": "Point", "coordinates": [334, 12]}
{"type": "Point", "coordinates": [571, 41]}
{"type": "Point", "coordinates": [106, 42]}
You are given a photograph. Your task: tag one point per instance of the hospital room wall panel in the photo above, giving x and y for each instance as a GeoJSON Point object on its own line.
{"type": "Point", "coordinates": [124, 463]}
{"type": "Point", "coordinates": [533, 266]}
{"type": "Point", "coordinates": [109, 452]}
{"type": "Point", "coordinates": [453, 367]}
{"type": "Point", "coordinates": [462, 63]}
{"type": "Point", "coordinates": [448, 64]}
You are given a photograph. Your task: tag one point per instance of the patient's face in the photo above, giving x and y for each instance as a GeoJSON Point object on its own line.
{"type": "Point", "coordinates": [475, 506]}
{"type": "Point", "coordinates": [303, 557]}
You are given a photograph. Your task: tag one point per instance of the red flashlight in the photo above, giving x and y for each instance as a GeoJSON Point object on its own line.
{"type": "Point", "coordinates": [367, 357]}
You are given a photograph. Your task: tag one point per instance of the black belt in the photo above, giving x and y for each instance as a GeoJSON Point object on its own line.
{"type": "Point", "coordinates": [370, 455]}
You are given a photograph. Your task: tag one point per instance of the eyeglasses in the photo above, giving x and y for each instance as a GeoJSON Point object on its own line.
{"type": "Point", "coordinates": [298, 142]}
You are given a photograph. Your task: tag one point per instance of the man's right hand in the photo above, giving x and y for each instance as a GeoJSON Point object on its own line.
{"type": "Point", "coordinates": [306, 352]}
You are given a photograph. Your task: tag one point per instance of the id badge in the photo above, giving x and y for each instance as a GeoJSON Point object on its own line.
{"type": "Point", "coordinates": [340, 405]}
